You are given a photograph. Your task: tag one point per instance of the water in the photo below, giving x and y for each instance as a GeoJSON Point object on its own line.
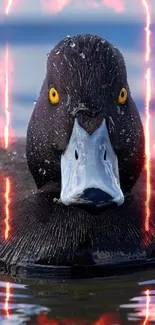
{"type": "Point", "coordinates": [123, 300]}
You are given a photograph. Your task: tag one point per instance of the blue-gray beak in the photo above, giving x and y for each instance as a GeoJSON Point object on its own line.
{"type": "Point", "coordinates": [89, 169]}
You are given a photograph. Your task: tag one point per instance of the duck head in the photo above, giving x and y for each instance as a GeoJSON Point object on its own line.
{"type": "Point", "coordinates": [85, 136]}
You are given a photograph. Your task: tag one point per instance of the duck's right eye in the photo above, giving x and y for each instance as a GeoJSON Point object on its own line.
{"type": "Point", "coordinates": [53, 96]}
{"type": "Point", "coordinates": [122, 96]}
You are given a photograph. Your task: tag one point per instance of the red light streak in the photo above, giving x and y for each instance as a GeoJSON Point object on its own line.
{"type": "Point", "coordinates": [147, 148]}
{"type": "Point", "coordinates": [147, 306]}
{"type": "Point", "coordinates": [7, 114]}
{"type": "Point", "coordinates": [6, 307]}
{"type": "Point", "coordinates": [147, 110]}
{"type": "Point", "coordinates": [5, 77]}
{"type": "Point", "coordinates": [7, 202]}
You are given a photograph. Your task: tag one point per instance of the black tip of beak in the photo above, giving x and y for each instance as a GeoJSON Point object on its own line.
{"type": "Point", "coordinates": [97, 197]}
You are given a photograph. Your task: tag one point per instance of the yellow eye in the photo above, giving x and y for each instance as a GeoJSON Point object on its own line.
{"type": "Point", "coordinates": [54, 96]}
{"type": "Point", "coordinates": [122, 96]}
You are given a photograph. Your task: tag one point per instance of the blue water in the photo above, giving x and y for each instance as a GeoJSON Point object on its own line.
{"type": "Point", "coordinates": [124, 300]}
{"type": "Point", "coordinates": [52, 30]}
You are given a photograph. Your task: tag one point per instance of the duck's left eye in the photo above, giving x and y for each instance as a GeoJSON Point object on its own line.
{"type": "Point", "coordinates": [122, 96]}
{"type": "Point", "coordinates": [53, 96]}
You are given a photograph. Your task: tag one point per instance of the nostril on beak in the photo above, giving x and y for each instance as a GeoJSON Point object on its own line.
{"type": "Point", "coordinates": [76, 155]}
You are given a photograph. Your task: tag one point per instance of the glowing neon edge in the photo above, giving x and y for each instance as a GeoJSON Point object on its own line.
{"type": "Point", "coordinates": [6, 129]}
{"type": "Point", "coordinates": [7, 202]}
{"type": "Point", "coordinates": [147, 111]}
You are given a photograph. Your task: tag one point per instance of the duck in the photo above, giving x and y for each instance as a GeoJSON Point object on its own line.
{"type": "Point", "coordinates": [78, 194]}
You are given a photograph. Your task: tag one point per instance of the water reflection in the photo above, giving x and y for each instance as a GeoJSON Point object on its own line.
{"type": "Point", "coordinates": [142, 306]}
{"type": "Point", "coordinates": [95, 302]}
{"type": "Point", "coordinates": [106, 319]}
{"type": "Point", "coordinates": [14, 307]}
{"type": "Point", "coordinates": [6, 307]}
{"type": "Point", "coordinates": [147, 306]}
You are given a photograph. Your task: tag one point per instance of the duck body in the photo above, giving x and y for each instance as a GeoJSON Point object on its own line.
{"type": "Point", "coordinates": [88, 213]}
{"type": "Point", "coordinates": [49, 239]}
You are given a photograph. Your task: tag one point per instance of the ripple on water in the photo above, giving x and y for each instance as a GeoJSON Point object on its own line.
{"type": "Point", "coordinates": [121, 300]}
{"type": "Point", "coordinates": [16, 305]}
{"type": "Point", "coordinates": [142, 307]}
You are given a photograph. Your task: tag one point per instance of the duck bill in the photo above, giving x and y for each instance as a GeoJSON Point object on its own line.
{"type": "Point", "coordinates": [89, 169]}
